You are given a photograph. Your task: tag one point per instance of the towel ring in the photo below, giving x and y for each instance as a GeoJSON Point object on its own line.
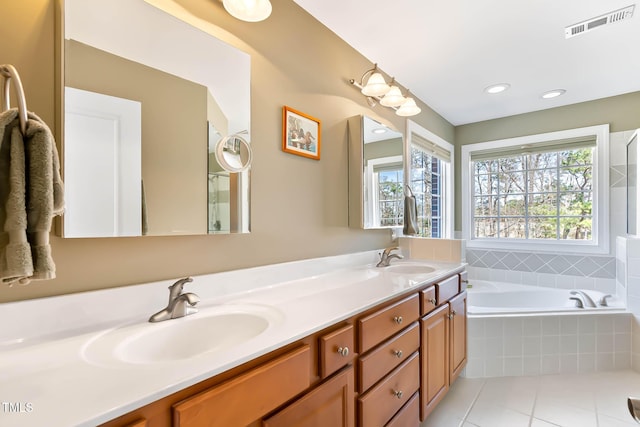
{"type": "Point", "coordinates": [9, 72]}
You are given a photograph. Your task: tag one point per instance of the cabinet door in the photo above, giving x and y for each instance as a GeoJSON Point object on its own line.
{"type": "Point", "coordinates": [458, 308]}
{"type": "Point", "coordinates": [330, 404]}
{"type": "Point", "coordinates": [435, 359]}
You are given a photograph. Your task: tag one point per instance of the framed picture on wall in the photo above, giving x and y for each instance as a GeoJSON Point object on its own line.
{"type": "Point", "coordinates": [300, 133]}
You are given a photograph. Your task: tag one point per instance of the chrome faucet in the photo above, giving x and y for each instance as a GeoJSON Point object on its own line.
{"type": "Point", "coordinates": [386, 256]}
{"type": "Point", "coordinates": [582, 299]}
{"type": "Point", "coordinates": [180, 304]}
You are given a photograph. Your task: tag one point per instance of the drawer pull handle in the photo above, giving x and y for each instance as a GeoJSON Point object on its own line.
{"type": "Point", "coordinates": [343, 351]}
{"type": "Point", "coordinates": [397, 353]}
{"type": "Point", "coordinates": [432, 301]}
{"type": "Point", "coordinates": [398, 319]}
{"type": "Point", "coordinates": [397, 393]}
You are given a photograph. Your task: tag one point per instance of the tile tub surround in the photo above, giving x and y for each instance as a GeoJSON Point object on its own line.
{"type": "Point", "coordinates": [628, 283]}
{"type": "Point", "coordinates": [511, 345]}
{"type": "Point", "coordinates": [570, 400]}
{"type": "Point", "coordinates": [46, 356]}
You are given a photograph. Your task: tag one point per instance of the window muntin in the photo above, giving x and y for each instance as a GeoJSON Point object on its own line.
{"type": "Point", "coordinates": [546, 195]}
{"type": "Point", "coordinates": [390, 194]}
{"type": "Point", "coordinates": [594, 136]}
{"type": "Point", "coordinates": [426, 183]}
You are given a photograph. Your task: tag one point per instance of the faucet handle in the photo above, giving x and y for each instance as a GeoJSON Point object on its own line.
{"type": "Point", "coordinates": [603, 301]}
{"type": "Point", "coordinates": [176, 288]}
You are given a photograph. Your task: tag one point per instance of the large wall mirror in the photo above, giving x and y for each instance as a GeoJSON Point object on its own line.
{"type": "Point", "coordinates": [150, 95]}
{"type": "Point", "coordinates": [376, 174]}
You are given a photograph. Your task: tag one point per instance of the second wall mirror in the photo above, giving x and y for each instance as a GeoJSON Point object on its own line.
{"type": "Point", "coordinates": [148, 94]}
{"type": "Point", "coordinates": [376, 174]}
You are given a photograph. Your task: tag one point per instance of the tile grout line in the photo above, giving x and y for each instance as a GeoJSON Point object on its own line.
{"type": "Point", "coordinates": [473, 402]}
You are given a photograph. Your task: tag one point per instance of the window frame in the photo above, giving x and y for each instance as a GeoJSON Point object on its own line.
{"type": "Point", "coordinates": [600, 214]}
{"type": "Point", "coordinates": [447, 173]}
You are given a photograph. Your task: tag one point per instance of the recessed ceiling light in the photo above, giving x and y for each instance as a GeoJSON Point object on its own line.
{"type": "Point", "coordinates": [379, 130]}
{"type": "Point", "coordinates": [553, 93]}
{"type": "Point", "coordinates": [497, 88]}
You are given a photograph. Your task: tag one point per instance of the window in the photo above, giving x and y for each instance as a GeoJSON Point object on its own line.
{"type": "Point", "coordinates": [426, 183]}
{"type": "Point", "coordinates": [390, 196]}
{"type": "Point", "coordinates": [540, 190]}
{"type": "Point", "coordinates": [431, 181]}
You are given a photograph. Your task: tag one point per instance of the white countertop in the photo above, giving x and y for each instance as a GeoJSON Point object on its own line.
{"type": "Point", "coordinates": [53, 374]}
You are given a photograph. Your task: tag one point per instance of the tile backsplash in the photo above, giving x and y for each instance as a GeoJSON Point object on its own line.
{"type": "Point", "coordinates": [573, 265]}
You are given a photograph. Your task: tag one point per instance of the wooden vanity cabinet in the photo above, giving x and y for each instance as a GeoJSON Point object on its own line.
{"type": "Point", "coordinates": [388, 366]}
{"type": "Point", "coordinates": [443, 345]}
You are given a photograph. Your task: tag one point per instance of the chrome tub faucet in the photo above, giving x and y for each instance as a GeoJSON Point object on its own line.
{"type": "Point", "coordinates": [386, 256]}
{"type": "Point", "coordinates": [582, 299]}
{"type": "Point", "coordinates": [180, 304]}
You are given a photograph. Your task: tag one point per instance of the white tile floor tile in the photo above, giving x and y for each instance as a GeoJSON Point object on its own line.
{"type": "Point", "coordinates": [569, 400]}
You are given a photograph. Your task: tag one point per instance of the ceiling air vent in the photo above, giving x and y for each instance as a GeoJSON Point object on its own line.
{"type": "Point", "coordinates": [599, 21]}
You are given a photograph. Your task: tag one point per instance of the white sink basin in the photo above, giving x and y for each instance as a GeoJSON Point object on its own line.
{"type": "Point", "coordinates": [410, 268]}
{"type": "Point", "coordinates": [208, 331]}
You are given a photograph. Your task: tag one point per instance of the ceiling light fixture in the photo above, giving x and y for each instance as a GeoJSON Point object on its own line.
{"type": "Point", "coordinates": [248, 10]}
{"type": "Point", "coordinates": [553, 93]}
{"type": "Point", "coordinates": [497, 88]}
{"type": "Point", "coordinates": [373, 85]}
{"type": "Point", "coordinates": [379, 130]}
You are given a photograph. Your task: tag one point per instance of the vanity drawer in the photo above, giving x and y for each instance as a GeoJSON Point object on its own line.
{"type": "Point", "coordinates": [337, 349]}
{"type": "Point", "coordinates": [377, 326]}
{"type": "Point", "coordinates": [248, 396]}
{"type": "Point", "coordinates": [446, 289]}
{"type": "Point", "coordinates": [379, 405]}
{"type": "Point", "coordinates": [429, 299]}
{"type": "Point", "coordinates": [383, 359]}
{"type": "Point", "coordinates": [409, 415]}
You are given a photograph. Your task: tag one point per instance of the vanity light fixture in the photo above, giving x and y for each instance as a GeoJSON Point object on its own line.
{"type": "Point", "coordinates": [553, 93]}
{"type": "Point", "coordinates": [497, 88]}
{"type": "Point", "coordinates": [248, 10]}
{"type": "Point", "coordinates": [374, 86]}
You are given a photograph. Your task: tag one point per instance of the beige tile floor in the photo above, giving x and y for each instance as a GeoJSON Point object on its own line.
{"type": "Point", "coordinates": [579, 400]}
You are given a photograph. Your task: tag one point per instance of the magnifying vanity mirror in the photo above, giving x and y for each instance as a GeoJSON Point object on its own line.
{"type": "Point", "coordinates": [156, 122]}
{"type": "Point", "coordinates": [376, 171]}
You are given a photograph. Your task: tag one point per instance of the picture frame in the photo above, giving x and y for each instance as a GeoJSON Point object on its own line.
{"type": "Point", "coordinates": [301, 133]}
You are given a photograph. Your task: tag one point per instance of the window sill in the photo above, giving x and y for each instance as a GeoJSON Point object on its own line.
{"type": "Point", "coordinates": [567, 247]}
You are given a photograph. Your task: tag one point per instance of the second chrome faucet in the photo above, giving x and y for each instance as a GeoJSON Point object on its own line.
{"type": "Point", "coordinates": [386, 256]}
{"type": "Point", "coordinates": [180, 304]}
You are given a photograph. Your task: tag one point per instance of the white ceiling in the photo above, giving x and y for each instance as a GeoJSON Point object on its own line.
{"type": "Point", "coordinates": [447, 51]}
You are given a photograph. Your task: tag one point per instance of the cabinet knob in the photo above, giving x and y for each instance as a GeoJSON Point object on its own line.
{"type": "Point", "coordinates": [397, 353]}
{"type": "Point", "coordinates": [432, 301]}
{"type": "Point", "coordinates": [452, 314]}
{"type": "Point", "coordinates": [398, 319]}
{"type": "Point", "coordinates": [397, 393]}
{"type": "Point", "coordinates": [343, 351]}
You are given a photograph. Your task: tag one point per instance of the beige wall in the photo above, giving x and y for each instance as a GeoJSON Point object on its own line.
{"type": "Point", "coordinates": [386, 148]}
{"type": "Point", "coordinates": [174, 139]}
{"type": "Point", "coordinates": [299, 206]}
{"type": "Point", "coordinates": [620, 112]}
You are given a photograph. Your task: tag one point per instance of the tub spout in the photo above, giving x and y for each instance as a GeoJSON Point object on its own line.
{"type": "Point", "coordinates": [584, 298]}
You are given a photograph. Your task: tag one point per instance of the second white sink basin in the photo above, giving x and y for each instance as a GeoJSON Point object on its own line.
{"type": "Point", "coordinates": [410, 268]}
{"type": "Point", "coordinates": [210, 330]}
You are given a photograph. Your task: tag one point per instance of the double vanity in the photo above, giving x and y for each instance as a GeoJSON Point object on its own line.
{"type": "Point", "coordinates": [335, 340]}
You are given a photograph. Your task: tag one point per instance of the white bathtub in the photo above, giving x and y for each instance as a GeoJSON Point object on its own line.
{"type": "Point", "coordinates": [528, 330]}
{"type": "Point", "coordinates": [494, 298]}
